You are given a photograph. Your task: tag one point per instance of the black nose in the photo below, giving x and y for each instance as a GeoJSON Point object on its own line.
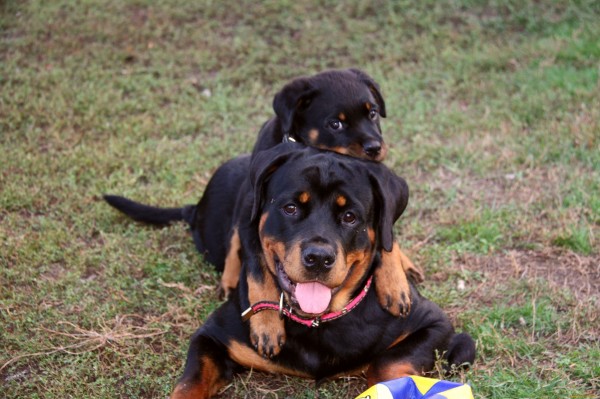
{"type": "Point", "coordinates": [372, 148]}
{"type": "Point", "coordinates": [318, 257]}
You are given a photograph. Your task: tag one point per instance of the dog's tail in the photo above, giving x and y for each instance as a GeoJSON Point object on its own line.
{"type": "Point", "coordinates": [151, 214]}
{"type": "Point", "coordinates": [461, 352]}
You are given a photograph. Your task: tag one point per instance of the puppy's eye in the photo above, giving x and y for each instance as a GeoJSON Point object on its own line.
{"type": "Point", "coordinates": [373, 114]}
{"type": "Point", "coordinates": [349, 218]}
{"type": "Point", "coordinates": [335, 124]}
{"type": "Point", "coordinates": [290, 209]}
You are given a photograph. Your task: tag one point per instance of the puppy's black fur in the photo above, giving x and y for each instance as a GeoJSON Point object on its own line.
{"type": "Point", "coordinates": [318, 219]}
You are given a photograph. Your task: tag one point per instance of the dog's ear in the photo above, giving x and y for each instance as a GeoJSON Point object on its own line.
{"type": "Point", "coordinates": [294, 97]}
{"type": "Point", "coordinates": [373, 87]}
{"type": "Point", "coordinates": [262, 167]}
{"type": "Point", "coordinates": [391, 198]}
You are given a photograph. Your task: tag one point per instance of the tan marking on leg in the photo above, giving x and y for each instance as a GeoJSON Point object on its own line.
{"type": "Point", "coordinates": [208, 383]}
{"type": "Point", "coordinates": [391, 283]}
{"type": "Point", "coordinates": [233, 265]}
{"type": "Point", "coordinates": [389, 372]}
{"type": "Point", "coordinates": [267, 329]}
{"type": "Point", "coordinates": [413, 272]}
{"type": "Point", "coordinates": [247, 357]}
{"type": "Point", "coordinates": [398, 340]}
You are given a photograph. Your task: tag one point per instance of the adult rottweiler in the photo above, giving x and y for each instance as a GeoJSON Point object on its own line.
{"type": "Point", "coordinates": [335, 110]}
{"type": "Point", "coordinates": [316, 223]}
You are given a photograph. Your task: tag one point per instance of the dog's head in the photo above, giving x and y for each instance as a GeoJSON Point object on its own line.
{"type": "Point", "coordinates": [321, 219]}
{"type": "Point", "coordinates": [336, 110]}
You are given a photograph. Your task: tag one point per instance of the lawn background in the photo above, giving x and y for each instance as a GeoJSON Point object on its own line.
{"type": "Point", "coordinates": [493, 119]}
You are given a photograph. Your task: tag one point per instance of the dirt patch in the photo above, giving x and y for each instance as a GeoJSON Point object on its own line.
{"type": "Point", "coordinates": [566, 270]}
{"type": "Point", "coordinates": [519, 188]}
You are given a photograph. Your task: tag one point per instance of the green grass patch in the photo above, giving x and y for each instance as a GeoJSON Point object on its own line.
{"type": "Point", "coordinates": [577, 239]}
{"type": "Point", "coordinates": [493, 121]}
{"type": "Point", "coordinates": [482, 233]}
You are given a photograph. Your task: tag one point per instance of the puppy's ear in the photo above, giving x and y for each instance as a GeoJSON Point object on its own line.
{"type": "Point", "coordinates": [373, 87]}
{"type": "Point", "coordinates": [293, 98]}
{"type": "Point", "coordinates": [262, 167]}
{"type": "Point", "coordinates": [391, 198]}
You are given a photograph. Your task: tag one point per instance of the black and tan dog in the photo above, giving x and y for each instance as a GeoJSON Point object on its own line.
{"type": "Point", "coordinates": [316, 223]}
{"type": "Point", "coordinates": [335, 110]}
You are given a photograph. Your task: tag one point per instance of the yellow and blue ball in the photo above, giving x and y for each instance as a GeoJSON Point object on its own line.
{"type": "Point", "coordinates": [416, 387]}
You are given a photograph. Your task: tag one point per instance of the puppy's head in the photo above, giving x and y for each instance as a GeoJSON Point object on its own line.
{"type": "Point", "coordinates": [337, 110]}
{"type": "Point", "coordinates": [321, 219]}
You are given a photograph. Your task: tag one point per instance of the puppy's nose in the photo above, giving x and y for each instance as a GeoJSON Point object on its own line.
{"type": "Point", "coordinates": [372, 148]}
{"type": "Point", "coordinates": [318, 257]}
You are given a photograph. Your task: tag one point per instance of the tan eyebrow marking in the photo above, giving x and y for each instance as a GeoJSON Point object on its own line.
{"type": "Point", "coordinates": [304, 197]}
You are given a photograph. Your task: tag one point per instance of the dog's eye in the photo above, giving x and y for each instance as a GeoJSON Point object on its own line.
{"type": "Point", "coordinates": [373, 114]}
{"type": "Point", "coordinates": [335, 124]}
{"type": "Point", "coordinates": [290, 209]}
{"type": "Point", "coordinates": [349, 218]}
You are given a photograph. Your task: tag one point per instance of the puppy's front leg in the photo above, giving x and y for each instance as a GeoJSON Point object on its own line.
{"type": "Point", "coordinates": [391, 281]}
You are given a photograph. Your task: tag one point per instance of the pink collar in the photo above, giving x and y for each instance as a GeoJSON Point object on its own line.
{"type": "Point", "coordinates": [312, 322]}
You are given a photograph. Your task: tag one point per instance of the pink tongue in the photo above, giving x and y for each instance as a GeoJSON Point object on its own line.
{"type": "Point", "coordinates": [313, 297]}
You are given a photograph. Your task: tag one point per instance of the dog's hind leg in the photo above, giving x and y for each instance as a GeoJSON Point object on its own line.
{"type": "Point", "coordinates": [414, 352]}
{"type": "Point", "coordinates": [207, 369]}
{"type": "Point", "coordinates": [412, 355]}
{"type": "Point", "coordinates": [461, 352]}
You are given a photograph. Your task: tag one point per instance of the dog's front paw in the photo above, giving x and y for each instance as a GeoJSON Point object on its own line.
{"type": "Point", "coordinates": [393, 297]}
{"type": "Point", "coordinates": [391, 283]}
{"type": "Point", "coordinates": [267, 333]}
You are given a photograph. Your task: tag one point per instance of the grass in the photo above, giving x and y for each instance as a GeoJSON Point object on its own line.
{"type": "Point", "coordinates": [494, 120]}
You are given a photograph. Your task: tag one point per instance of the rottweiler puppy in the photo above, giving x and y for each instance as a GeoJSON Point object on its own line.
{"type": "Point", "coordinates": [316, 223]}
{"type": "Point", "coordinates": [336, 110]}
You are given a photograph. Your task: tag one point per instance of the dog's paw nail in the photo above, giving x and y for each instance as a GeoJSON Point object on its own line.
{"type": "Point", "coordinates": [389, 302]}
